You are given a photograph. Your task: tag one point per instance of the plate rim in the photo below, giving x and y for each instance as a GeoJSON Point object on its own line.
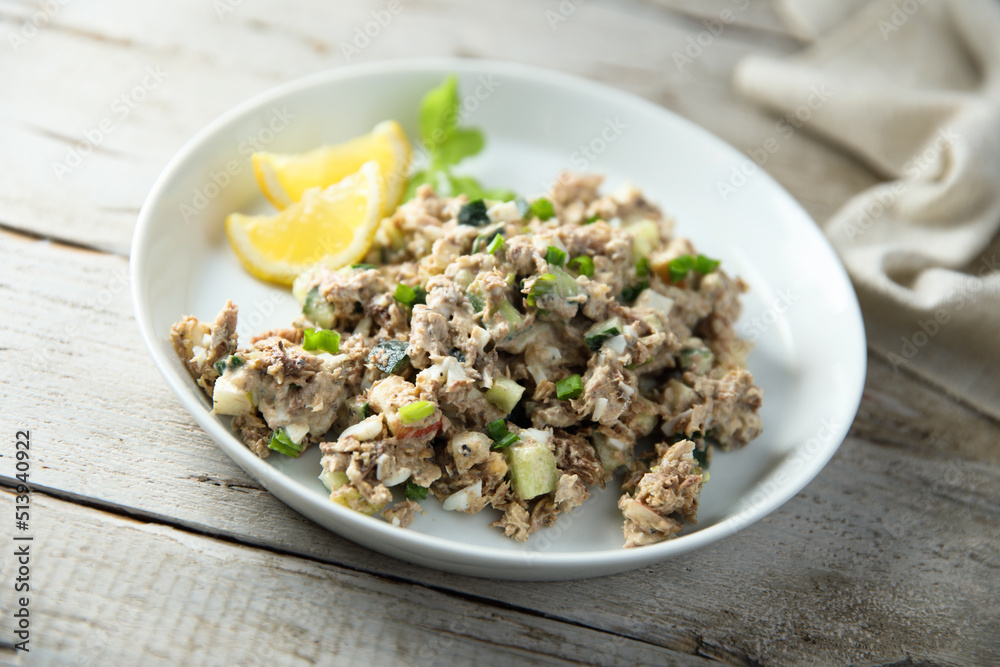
{"type": "Point", "coordinates": [440, 552]}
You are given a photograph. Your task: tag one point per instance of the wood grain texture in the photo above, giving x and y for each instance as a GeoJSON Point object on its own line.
{"type": "Point", "coordinates": [133, 90]}
{"type": "Point", "coordinates": [892, 546]}
{"type": "Point", "coordinates": [108, 590]}
{"type": "Point", "coordinates": [890, 556]}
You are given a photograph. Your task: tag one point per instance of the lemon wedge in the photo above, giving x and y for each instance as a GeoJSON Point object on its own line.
{"type": "Point", "coordinates": [285, 178]}
{"type": "Point", "coordinates": [334, 225]}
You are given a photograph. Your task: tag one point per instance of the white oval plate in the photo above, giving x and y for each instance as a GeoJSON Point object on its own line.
{"type": "Point", "coordinates": [801, 311]}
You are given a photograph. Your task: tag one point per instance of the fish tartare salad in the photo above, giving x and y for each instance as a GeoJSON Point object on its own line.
{"type": "Point", "coordinates": [505, 355]}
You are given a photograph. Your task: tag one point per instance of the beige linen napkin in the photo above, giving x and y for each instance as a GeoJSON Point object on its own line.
{"type": "Point", "coordinates": [914, 92]}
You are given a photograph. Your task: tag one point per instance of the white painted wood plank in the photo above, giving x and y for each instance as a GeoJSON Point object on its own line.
{"type": "Point", "coordinates": [893, 545]}
{"type": "Point", "coordinates": [107, 590]}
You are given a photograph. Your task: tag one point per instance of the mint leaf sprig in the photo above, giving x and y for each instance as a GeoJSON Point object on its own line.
{"type": "Point", "coordinates": [448, 144]}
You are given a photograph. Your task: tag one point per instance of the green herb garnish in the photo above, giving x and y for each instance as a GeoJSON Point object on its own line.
{"type": "Point", "coordinates": [447, 145]}
{"type": "Point", "coordinates": [363, 267]}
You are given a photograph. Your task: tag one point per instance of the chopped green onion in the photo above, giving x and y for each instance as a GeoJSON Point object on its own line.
{"type": "Point", "coordinates": [364, 267]}
{"type": "Point", "coordinates": [222, 364]}
{"type": "Point", "coordinates": [583, 265]}
{"type": "Point", "coordinates": [389, 356]}
{"type": "Point", "coordinates": [554, 255]}
{"type": "Point", "coordinates": [630, 293]}
{"type": "Point", "coordinates": [705, 265]}
{"type": "Point", "coordinates": [679, 267]}
{"type": "Point", "coordinates": [592, 219]}
{"type": "Point", "coordinates": [409, 296]}
{"type": "Point", "coordinates": [415, 492]}
{"type": "Point", "coordinates": [321, 339]}
{"type": "Point", "coordinates": [477, 301]}
{"type": "Point", "coordinates": [601, 332]}
{"type": "Point", "coordinates": [543, 286]}
{"type": "Point", "coordinates": [568, 388]}
{"type": "Point", "coordinates": [473, 214]}
{"type": "Point", "coordinates": [506, 441]}
{"type": "Point", "coordinates": [542, 208]}
{"type": "Point", "coordinates": [523, 208]}
{"type": "Point", "coordinates": [280, 442]}
{"type": "Point", "coordinates": [642, 268]}
{"type": "Point", "coordinates": [497, 430]}
{"type": "Point", "coordinates": [701, 456]}
{"type": "Point", "coordinates": [414, 412]}
{"type": "Point", "coordinates": [566, 283]}
{"type": "Point", "coordinates": [495, 244]}
{"type": "Point", "coordinates": [507, 310]}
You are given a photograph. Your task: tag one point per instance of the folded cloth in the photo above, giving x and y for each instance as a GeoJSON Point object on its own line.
{"type": "Point", "coordinates": [913, 90]}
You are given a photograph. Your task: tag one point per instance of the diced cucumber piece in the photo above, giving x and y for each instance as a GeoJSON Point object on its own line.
{"type": "Point", "coordinates": [389, 356]}
{"type": "Point", "coordinates": [351, 498]}
{"type": "Point", "coordinates": [602, 331]}
{"type": "Point", "coordinates": [611, 454]}
{"type": "Point", "coordinates": [333, 480]}
{"type": "Point", "coordinates": [318, 309]}
{"type": "Point", "coordinates": [532, 469]}
{"type": "Point", "coordinates": [505, 393]}
{"type": "Point", "coordinates": [645, 237]}
{"type": "Point", "coordinates": [697, 359]}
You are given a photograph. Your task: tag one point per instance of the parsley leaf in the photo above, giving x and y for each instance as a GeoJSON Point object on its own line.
{"type": "Point", "coordinates": [448, 144]}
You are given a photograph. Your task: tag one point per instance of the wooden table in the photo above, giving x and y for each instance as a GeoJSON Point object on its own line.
{"type": "Point", "coordinates": [151, 547]}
